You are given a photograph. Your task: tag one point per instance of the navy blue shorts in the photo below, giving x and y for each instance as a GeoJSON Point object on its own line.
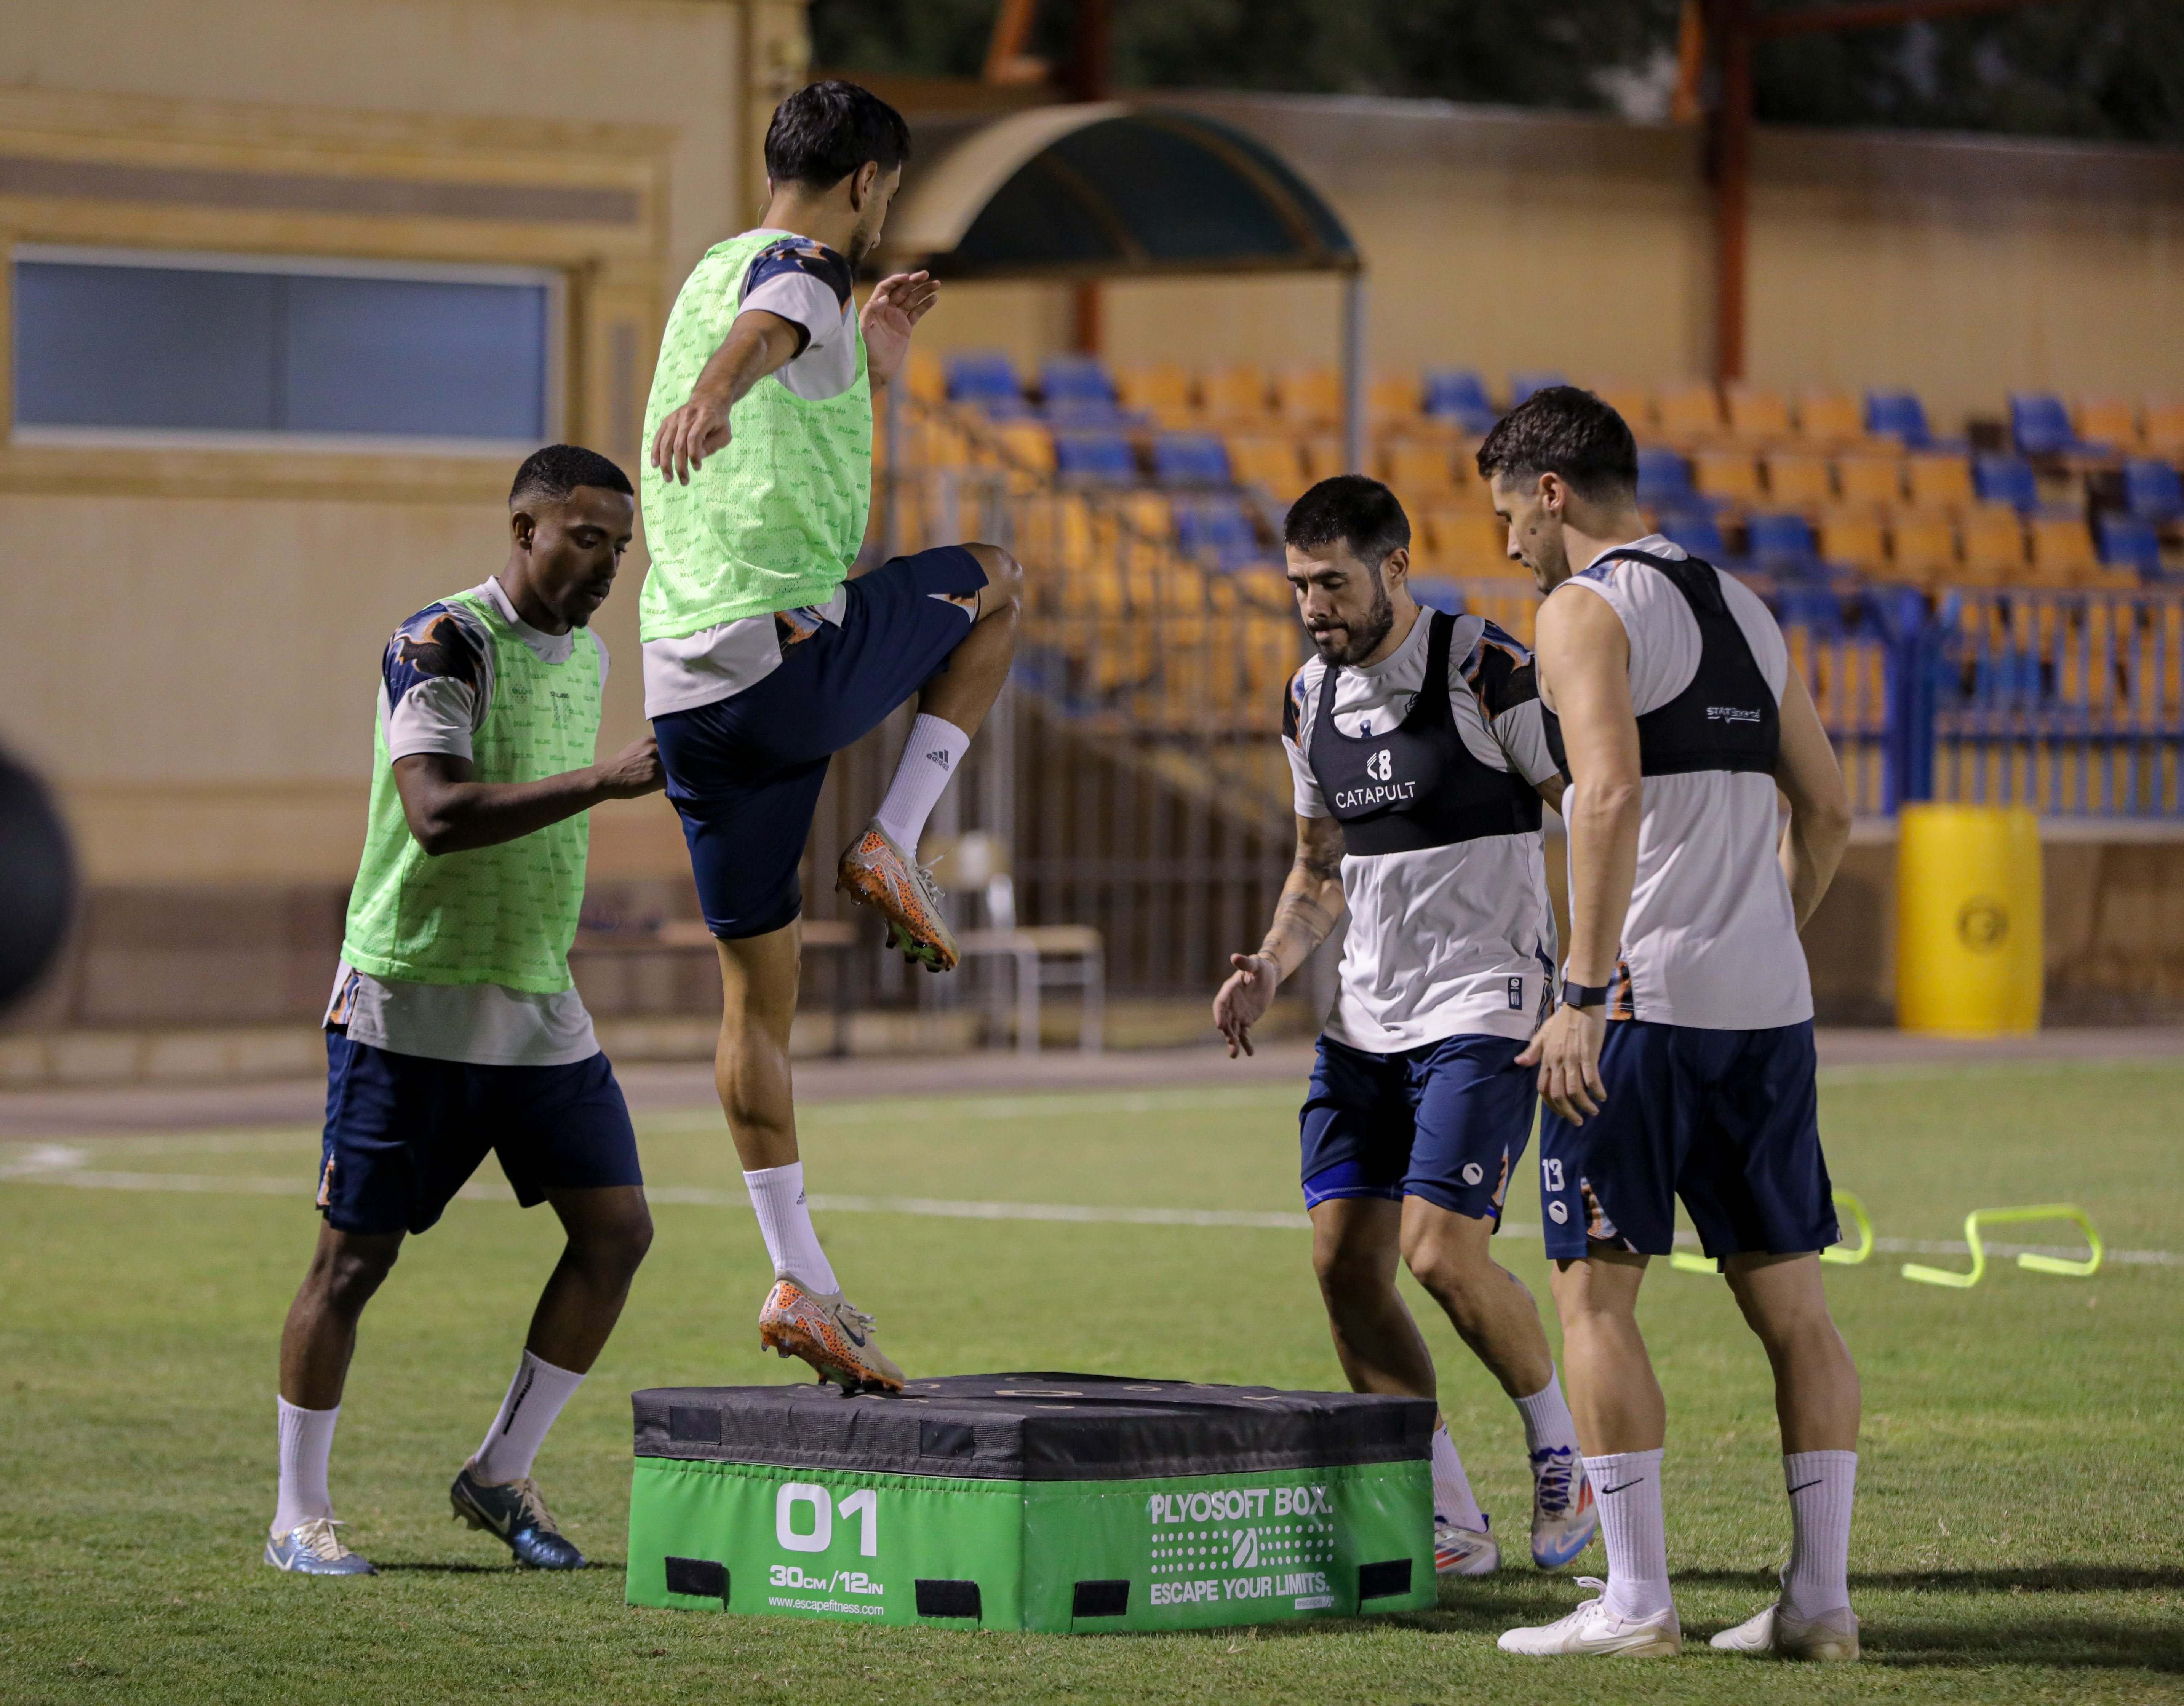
{"type": "Point", "coordinates": [1729, 1120]}
{"type": "Point", "coordinates": [404, 1133]}
{"type": "Point", "coordinates": [1447, 1122]}
{"type": "Point", "coordinates": [745, 772]}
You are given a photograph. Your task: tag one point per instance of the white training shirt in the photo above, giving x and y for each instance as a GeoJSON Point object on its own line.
{"type": "Point", "coordinates": [1711, 938]}
{"type": "Point", "coordinates": [481, 1024]}
{"type": "Point", "coordinates": [1450, 941]}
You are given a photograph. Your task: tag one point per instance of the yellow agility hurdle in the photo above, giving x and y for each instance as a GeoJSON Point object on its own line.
{"type": "Point", "coordinates": [1685, 1262]}
{"type": "Point", "coordinates": [2074, 1268]}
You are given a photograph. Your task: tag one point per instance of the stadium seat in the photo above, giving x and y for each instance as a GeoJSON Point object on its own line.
{"type": "Point", "coordinates": [1468, 542]}
{"type": "Point", "coordinates": [1075, 378]}
{"type": "Point", "coordinates": [2107, 423]}
{"type": "Point", "coordinates": [1026, 444]}
{"type": "Point", "coordinates": [2129, 542]}
{"type": "Point", "coordinates": [1216, 529]}
{"type": "Point", "coordinates": [1159, 390]}
{"type": "Point", "coordinates": [1869, 480]}
{"type": "Point", "coordinates": [1237, 393]}
{"type": "Point", "coordinates": [1854, 541]}
{"type": "Point", "coordinates": [2063, 554]}
{"type": "Point", "coordinates": [1189, 458]}
{"type": "Point", "coordinates": [2005, 480]}
{"type": "Point", "coordinates": [1799, 478]}
{"type": "Point", "coordinates": [1417, 466]}
{"type": "Point", "coordinates": [1323, 457]}
{"type": "Point", "coordinates": [1094, 456]}
{"type": "Point", "coordinates": [1308, 397]}
{"type": "Point", "coordinates": [1689, 411]}
{"type": "Point", "coordinates": [983, 376]}
{"type": "Point", "coordinates": [2040, 425]}
{"type": "Point", "coordinates": [1266, 460]}
{"type": "Point", "coordinates": [1698, 532]}
{"type": "Point", "coordinates": [2164, 428]}
{"type": "Point", "coordinates": [1732, 475]}
{"type": "Point", "coordinates": [1523, 385]}
{"type": "Point", "coordinates": [1634, 402]}
{"type": "Point", "coordinates": [1994, 545]}
{"type": "Point", "coordinates": [1438, 595]}
{"type": "Point", "coordinates": [1897, 414]}
{"type": "Point", "coordinates": [929, 376]}
{"type": "Point", "coordinates": [1456, 394]}
{"type": "Point", "coordinates": [2153, 490]}
{"type": "Point", "coordinates": [1758, 414]}
{"type": "Point", "coordinates": [1831, 417]}
{"type": "Point", "coordinates": [1664, 479]}
{"type": "Point", "coordinates": [1781, 544]}
{"type": "Point", "coordinates": [1941, 482]}
{"type": "Point", "coordinates": [1922, 547]}
{"type": "Point", "coordinates": [1394, 401]}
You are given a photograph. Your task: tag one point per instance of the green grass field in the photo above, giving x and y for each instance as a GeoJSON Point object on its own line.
{"type": "Point", "coordinates": [2017, 1536]}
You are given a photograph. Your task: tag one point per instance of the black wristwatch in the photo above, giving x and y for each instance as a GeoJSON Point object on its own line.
{"type": "Point", "coordinates": [1583, 995]}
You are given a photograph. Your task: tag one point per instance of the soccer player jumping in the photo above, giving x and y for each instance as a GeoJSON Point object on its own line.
{"type": "Point", "coordinates": [1420, 763]}
{"type": "Point", "coordinates": [762, 659]}
{"type": "Point", "coordinates": [455, 1027]}
{"type": "Point", "coordinates": [1680, 1062]}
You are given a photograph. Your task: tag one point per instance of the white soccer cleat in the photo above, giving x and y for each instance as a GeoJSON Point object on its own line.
{"type": "Point", "coordinates": [1594, 1630]}
{"type": "Point", "coordinates": [1464, 1551]}
{"type": "Point", "coordinates": [1831, 1639]}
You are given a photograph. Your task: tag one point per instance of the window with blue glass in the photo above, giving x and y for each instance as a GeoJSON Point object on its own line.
{"type": "Point", "coordinates": [137, 342]}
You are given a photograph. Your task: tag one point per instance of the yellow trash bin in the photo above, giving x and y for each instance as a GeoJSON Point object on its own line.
{"type": "Point", "coordinates": [1968, 925]}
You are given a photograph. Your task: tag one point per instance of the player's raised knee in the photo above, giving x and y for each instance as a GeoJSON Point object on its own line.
{"type": "Point", "coordinates": [1004, 588]}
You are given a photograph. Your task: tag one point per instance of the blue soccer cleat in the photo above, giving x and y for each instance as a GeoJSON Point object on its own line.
{"type": "Point", "coordinates": [312, 1547]}
{"type": "Point", "coordinates": [516, 1513]}
{"type": "Point", "coordinates": [1564, 1517]}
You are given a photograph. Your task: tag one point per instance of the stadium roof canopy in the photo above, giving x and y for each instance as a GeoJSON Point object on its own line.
{"type": "Point", "coordinates": [1108, 189]}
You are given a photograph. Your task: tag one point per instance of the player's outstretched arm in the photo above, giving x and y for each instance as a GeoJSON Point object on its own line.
{"type": "Point", "coordinates": [1806, 771]}
{"type": "Point", "coordinates": [1304, 917]}
{"type": "Point", "coordinates": [1584, 669]}
{"type": "Point", "coordinates": [450, 812]}
{"type": "Point", "coordinates": [758, 343]}
{"type": "Point", "coordinates": [891, 314]}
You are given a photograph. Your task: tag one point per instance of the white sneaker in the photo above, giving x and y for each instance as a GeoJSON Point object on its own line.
{"type": "Point", "coordinates": [1831, 1639]}
{"type": "Point", "coordinates": [1592, 1628]}
{"type": "Point", "coordinates": [1464, 1551]}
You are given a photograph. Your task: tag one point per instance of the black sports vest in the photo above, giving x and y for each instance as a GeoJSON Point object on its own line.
{"type": "Point", "coordinates": [1727, 718]}
{"type": "Point", "coordinates": [1417, 786]}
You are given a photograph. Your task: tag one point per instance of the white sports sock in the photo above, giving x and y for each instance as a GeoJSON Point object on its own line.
{"type": "Point", "coordinates": [1452, 1499]}
{"type": "Point", "coordinates": [1547, 1424]}
{"type": "Point", "coordinates": [1822, 1486]}
{"type": "Point", "coordinates": [1628, 1485]}
{"type": "Point", "coordinates": [929, 758]}
{"type": "Point", "coordinates": [776, 1195]}
{"type": "Point", "coordinates": [306, 1443]}
{"type": "Point", "coordinates": [535, 1397]}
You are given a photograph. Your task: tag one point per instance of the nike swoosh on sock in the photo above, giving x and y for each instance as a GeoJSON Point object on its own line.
{"type": "Point", "coordinates": [1605, 1491]}
{"type": "Point", "coordinates": [1802, 1485]}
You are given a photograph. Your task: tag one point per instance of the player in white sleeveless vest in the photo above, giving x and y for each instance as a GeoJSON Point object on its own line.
{"type": "Point", "coordinates": [1420, 761]}
{"type": "Point", "coordinates": [1680, 1062]}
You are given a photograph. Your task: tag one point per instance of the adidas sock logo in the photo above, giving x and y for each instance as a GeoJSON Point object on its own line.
{"type": "Point", "coordinates": [939, 759]}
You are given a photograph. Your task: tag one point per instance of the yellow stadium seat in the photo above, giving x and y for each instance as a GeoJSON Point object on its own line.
{"type": "Point", "coordinates": [1994, 545]}
{"type": "Point", "coordinates": [1234, 393]}
{"type": "Point", "coordinates": [1834, 416]}
{"type": "Point", "coordinates": [1634, 402]}
{"type": "Point", "coordinates": [928, 378]}
{"type": "Point", "coordinates": [1689, 411]}
{"type": "Point", "coordinates": [1869, 479]}
{"type": "Point", "coordinates": [1267, 587]}
{"type": "Point", "coordinates": [1309, 397]}
{"type": "Point", "coordinates": [1941, 482]}
{"type": "Point", "coordinates": [1154, 385]}
{"type": "Point", "coordinates": [1419, 466]}
{"type": "Point", "coordinates": [2164, 428]}
{"type": "Point", "coordinates": [1758, 414]}
{"type": "Point", "coordinates": [1855, 539]}
{"type": "Point", "coordinates": [2063, 554]}
{"type": "Point", "coordinates": [1796, 481]}
{"type": "Point", "coordinates": [2110, 421]}
{"type": "Point", "coordinates": [1149, 515]}
{"type": "Point", "coordinates": [1259, 459]}
{"type": "Point", "coordinates": [1467, 541]}
{"type": "Point", "coordinates": [1026, 444]}
{"type": "Point", "coordinates": [1322, 456]}
{"type": "Point", "coordinates": [1731, 474]}
{"type": "Point", "coordinates": [1393, 400]}
{"type": "Point", "coordinates": [1923, 547]}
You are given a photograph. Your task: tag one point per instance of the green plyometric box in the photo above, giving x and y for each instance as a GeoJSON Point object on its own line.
{"type": "Point", "coordinates": [1051, 1502]}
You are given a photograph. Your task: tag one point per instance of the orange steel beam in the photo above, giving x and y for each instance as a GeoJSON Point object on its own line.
{"type": "Point", "coordinates": [1006, 59]}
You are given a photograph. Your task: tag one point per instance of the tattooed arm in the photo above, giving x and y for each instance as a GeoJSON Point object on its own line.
{"type": "Point", "coordinates": [1311, 902]}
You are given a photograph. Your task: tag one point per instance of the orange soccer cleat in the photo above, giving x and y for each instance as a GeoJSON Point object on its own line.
{"type": "Point", "coordinates": [828, 1333]}
{"type": "Point", "coordinates": [876, 872]}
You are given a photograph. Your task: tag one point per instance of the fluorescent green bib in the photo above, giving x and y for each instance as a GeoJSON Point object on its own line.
{"type": "Point", "coordinates": [774, 520]}
{"type": "Point", "coordinates": [503, 914]}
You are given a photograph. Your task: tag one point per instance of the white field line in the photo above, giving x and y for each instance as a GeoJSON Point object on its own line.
{"type": "Point", "coordinates": [58, 1164]}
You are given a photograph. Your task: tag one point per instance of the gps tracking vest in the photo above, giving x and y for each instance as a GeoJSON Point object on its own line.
{"type": "Point", "coordinates": [1727, 718]}
{"type": "Point", "coordinates": [1417, 786]}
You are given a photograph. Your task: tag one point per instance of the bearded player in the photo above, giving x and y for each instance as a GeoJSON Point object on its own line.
{"type": "Point", "coordinates": [1419, 765]}
{"type": "Point", "coordinates": [455, 1027]}
{"type": "Point", "coordinates": [762, 659]}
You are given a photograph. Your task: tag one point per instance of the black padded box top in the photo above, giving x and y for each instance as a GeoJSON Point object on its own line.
{"type": "Point", "coordinates": [1033, 1427]}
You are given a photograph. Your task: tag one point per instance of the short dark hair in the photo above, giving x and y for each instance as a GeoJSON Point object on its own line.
{"type": "Point", "coordinates": [559, 469]}
{"type": "Point", "coordinates": [827, 131]}
{"type": "Point", "coordinates": [1564, 430]}
{"type": "Point", "coordinates": [1361, 512]}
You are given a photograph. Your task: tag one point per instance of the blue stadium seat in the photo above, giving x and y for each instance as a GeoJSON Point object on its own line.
{"type": "Point", "coordinates": [1782, 545]}
{"type": "Point", "coordinates": [1523, 385]}
{"type": "Point", "coordinates": [1898, 413]}
{"type": "Point", "coordinates": [1217, 528]}
{"type": "Point", "coordinates": [2153, 490]}
{"type": "Point", "coordinates": [1457, 394]}
{"type": "Point", "coordinates": [1664, 479]}
{"type": "Point", "coordinates": [983, 376]}
{"type": "Point", "coordinates": [2040, 424]}
{"type": "Point", "coordinates": [1101, 456]}
{"type": "Point", "coordinates": [1439, 595]}
{"type": "Point", "coordinates": [1812, 608]}
{"type": "Point", "coordinates": [1698, 532]}
{"type": "Point", "coordinates": [2131, 540]}
{"type": "Point", "coordinates": [1189, 458]}
{"type": "Point", "coordinates": [2005, 480]}
{"type": "Point", "coordinates": [1075, 378]}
